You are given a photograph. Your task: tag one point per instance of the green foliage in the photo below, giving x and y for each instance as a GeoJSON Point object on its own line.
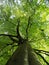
{"type": "Point", "coordinates": [37, 31]}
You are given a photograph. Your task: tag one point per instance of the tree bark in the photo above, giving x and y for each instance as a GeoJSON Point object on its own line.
{"type": "Point", "coordinates": [23, 56]}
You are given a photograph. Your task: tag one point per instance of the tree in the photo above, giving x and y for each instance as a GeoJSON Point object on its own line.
{"type": "Point", "coordinates": [24, 32]}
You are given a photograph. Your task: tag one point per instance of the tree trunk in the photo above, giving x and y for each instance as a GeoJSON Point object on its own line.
{"type": "Point", "coordinates": [23, 56]}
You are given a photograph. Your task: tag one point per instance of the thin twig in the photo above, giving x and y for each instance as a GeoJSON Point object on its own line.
{"type": "Point", "coordinates": [8, 35]}
{"type": "Point", "coordinates": [6, 46]}
{"type": "Point", "coordinates": [42, 51]}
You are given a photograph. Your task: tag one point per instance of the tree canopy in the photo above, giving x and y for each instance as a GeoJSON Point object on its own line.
{"type": "Point", "coordinates": [24, 21]}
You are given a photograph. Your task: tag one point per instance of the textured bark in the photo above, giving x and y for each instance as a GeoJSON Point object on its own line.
{"type": "Point", "coordinates": [23, 56]}
{"type": "Point", "coordinates": [18, 58]}
{"type": "Point", "coordinates": [32, 58]}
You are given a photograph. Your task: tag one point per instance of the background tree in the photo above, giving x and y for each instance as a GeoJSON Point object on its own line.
{"type": "Point", "coordinates": [24, 21]}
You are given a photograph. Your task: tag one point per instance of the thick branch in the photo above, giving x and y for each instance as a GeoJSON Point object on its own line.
{"type": "Point", "coordinates": [11, 37]}
{"type": "Point", "coordinates": [27, 28]}
{"type": "Point", "coordinates": [20, 38]}
{"type": "Point", "coordinates": [18, 34]}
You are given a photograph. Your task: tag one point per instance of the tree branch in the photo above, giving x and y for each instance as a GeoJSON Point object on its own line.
{"type": "Point", "coordinates": [42, 51]}
{"type": "Point", "coordinates": [27, 27]}
{"type": "Point", "coordinates": [42, 58]}
{"type": "Point", "coordinates": [14, 40]}
{"type": "Point", "coordinates": [18, 34]}
{"type": "Point", "coordinates": [20, 38]}
{"type": "Point", "coordinates": [11, 37]}
{"type": "Point", "coordinates": [5, 46]}
{"type": "Point", "coordinates": [8, 35]}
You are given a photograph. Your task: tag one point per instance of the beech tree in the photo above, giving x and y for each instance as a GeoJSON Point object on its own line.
{"type": "Point", "coordinates": [24, 32]}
